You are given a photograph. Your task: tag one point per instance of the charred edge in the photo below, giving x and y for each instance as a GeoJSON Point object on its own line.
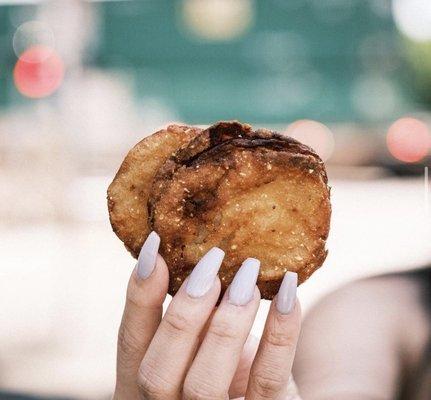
{"type": "Point", "coordinates": [230, 130]}
{"type": "Point", "coordinates": [225, 130]}
{"type": "Point", "coordinates": [242, 135]}
{"type": "Point", "coordinates": [253, 142]}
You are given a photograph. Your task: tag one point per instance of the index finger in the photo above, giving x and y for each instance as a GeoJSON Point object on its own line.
{"type": "Point", "coordinates": [146, 291]}
{"type": "Point", "coordinates": [271, 369]}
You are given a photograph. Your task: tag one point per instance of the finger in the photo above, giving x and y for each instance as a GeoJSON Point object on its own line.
{"type": "Point", "coordinates": [242, 373]}
{"type": "Point", "coordinates": [167, 359]}
{"type": "Point", "coordinates": [272, 365]}
{"type": "Point", "coordinates": [146, 291]}
{"type": "Point", "coordinates": [217, 359]}
{"type": "Point", "coordinates": [240, 379]}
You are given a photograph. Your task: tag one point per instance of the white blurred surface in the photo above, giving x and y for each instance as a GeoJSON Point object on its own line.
{"type": "Point", "coordinates": [62, 286]}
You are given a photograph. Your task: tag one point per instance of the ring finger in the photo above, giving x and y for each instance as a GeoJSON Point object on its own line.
{"type": "Point", "coordinates": [272, 365]}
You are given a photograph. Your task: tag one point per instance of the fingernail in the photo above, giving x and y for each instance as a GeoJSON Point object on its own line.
{"type": "Point", "coordinates": [286, 296]}
{"type": "Point", "coordinates": [241, 290]}
{"type": "Point", "coordinates": [147, 256]}
{"type": "Point", "coordinates": [202, 277]}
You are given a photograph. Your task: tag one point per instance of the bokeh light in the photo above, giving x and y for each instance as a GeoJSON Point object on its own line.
{"type": "Point", "coordinates": [413, 18]}
{"type": "Point", "coordinates": [314, 134]}
{"type": "Point", "coordinates": [30, 34]}
{"type": "Point", "coordinates": [38, 72]}
{"type": "Point", "coordinates": [408, 139]}
{"type": "Point", "coordinates": [218, 20]}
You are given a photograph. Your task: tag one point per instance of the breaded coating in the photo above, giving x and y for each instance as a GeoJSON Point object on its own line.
{"type": "Point", "coordinates": [251, 193]}
{"type": "Point", "coordinates": [129, 191]}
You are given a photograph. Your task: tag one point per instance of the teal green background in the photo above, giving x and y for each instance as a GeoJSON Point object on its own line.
{"type": "Point", "coordinates": [246, 78]}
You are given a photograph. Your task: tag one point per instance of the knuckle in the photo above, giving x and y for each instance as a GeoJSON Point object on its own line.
{"type": "Point", "coordinates": [280, 338]}
{"type": "Point", "coordinates": [137, 298]}
{"type": "Point", "coordinates": [152, 385]}
{"type": "Point", "coordinates": [134, 297]}
{"type": "Point", "coordinates": [221, 333]}
{"type": "Point", "coordinates": [176, 322]}
{"type": "Point", "coordinates": [128, 344]}
{"type": "Point", "coordinates": [268, 384]}
{"type": "Point", "coordinates": [278, 335]}
{"type": "Point", "coordinates": [198, 390]}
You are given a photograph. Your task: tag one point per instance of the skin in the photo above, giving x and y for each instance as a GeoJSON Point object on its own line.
{"type": "Point", "coordinates": [364, 341]}
{"type": "Point", "coordinates": [197, 351]}
{"type": "Point", "coordinates": [339, 355]}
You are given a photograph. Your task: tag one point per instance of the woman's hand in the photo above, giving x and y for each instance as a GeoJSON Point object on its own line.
{"type": "Point", "coordinates": [196, 351]}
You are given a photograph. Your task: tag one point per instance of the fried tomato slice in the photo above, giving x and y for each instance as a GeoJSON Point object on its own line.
{"type": "Point", "coordinates": [251, 193]}
{"type": "Point", "coordinates": [129, 191]}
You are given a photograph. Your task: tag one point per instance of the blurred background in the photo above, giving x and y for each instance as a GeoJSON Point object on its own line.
{"type": "Point", "coordinates": [82, 81]}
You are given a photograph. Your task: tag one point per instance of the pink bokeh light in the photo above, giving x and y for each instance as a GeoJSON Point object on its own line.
{"type": "Point", "coordinates": [38, 72]}
{"type": "Point", "coordinates": [408, 139]}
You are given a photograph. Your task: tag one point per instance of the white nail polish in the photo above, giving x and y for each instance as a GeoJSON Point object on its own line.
{"type": "Point", "coordinates": [147, 256]}
{"type": "Point", "coordinates": [204, 273]}
{"type": "Point", "coordinates": [286, 296]}
{"type": "Point", "coordinates": [241, 290]}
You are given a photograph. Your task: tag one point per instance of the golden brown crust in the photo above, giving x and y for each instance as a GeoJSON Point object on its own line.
{"type": "Point", "coordinates": [129, 191]}
{"type": "Point", "coordinates": [253, 194]}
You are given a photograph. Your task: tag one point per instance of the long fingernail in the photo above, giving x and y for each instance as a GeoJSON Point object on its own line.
{"type": "Point", "coordinates": [202, 277]}
{"type": "Point", "coordinates": [286, 296]}
{"type": "Point", "coordinates": [147, 256]}
{"type": "Point", "coordinates": [241, 290]}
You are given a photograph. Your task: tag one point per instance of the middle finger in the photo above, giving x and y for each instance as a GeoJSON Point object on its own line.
{"type": "Point", "coordinates": [217, 359]}
{"type": "Point", "coordinates": [173, 346]}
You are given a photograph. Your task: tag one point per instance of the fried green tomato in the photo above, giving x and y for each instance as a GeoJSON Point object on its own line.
{"type": "Point", "coordinates": [129, 191]}
{"type": "Point", "coordinates": [253, 194]}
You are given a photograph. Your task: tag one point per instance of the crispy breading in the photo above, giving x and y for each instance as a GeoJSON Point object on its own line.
{"type": "Point", "coordinates": [251, 193]}
{"type": "Point", "coordinates": [129, 191]}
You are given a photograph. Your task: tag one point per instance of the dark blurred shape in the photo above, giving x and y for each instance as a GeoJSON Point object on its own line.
{"type": "Point", "coordinates": [406, 169]}
{"type": "Point", "coordinates": [15, 396]}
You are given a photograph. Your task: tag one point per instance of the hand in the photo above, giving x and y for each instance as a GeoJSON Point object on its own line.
{"type": "Point", "coordinates": [196, 351]}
